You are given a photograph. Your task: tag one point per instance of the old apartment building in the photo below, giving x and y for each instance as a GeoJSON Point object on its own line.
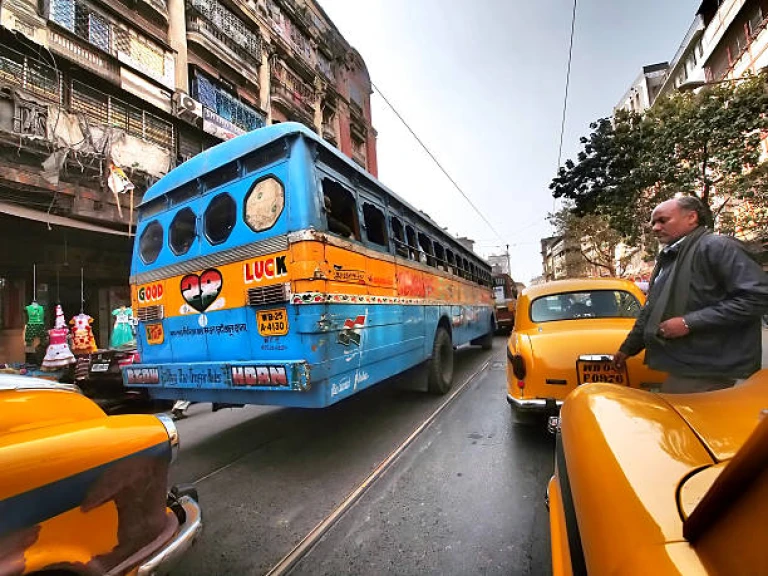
{"type": "Point", "coordinates": [90, 87]}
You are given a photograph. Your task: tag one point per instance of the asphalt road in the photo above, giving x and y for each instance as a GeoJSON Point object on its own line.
{"type": "Point", "coordinates": [465, 497]}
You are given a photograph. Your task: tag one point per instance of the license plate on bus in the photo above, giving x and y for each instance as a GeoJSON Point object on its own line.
{"type": "Point", "coordinates": [272, 322]}
{"type": "Point", "coordinates": [599, 368]}
{"type": "Point", "coordinates": [99, 367]}
{"type": "Point", "coordinates": [155, 334]}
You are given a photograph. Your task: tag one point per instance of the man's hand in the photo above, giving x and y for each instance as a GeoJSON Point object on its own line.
{"type": "Point", "coordinates": [673, 328]}
{"type": "Point", "coordinates": [620, 361]}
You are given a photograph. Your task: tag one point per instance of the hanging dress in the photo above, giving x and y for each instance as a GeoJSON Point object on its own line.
{"type": "Point", "coordinates": [35, 323]}
{"type": "Point", "coordinates": [122, 333]}
{"type": "Point", "coordinates": [83, 341]}
{"type": "Point", "coordinates": [58, 355]}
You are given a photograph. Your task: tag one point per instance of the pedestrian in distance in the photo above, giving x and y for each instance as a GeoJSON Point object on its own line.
{"type": "Point", "coordinates": [706, 296]}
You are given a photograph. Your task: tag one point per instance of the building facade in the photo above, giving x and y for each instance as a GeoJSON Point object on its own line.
{"type": "Point", "coordinates": [100, 99]}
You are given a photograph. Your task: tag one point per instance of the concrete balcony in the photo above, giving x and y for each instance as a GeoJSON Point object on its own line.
{"type": "Point", "coordinates": [292, 93]}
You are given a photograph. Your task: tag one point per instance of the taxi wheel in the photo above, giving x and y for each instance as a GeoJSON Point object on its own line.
{"type": "Point", "coordinates": [440, 367]}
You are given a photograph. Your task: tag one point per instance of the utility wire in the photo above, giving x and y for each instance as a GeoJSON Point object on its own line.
{"type": "Point", "coordinates": [435, 160]}
{"type": "Point", "coordinates": [567, 85]}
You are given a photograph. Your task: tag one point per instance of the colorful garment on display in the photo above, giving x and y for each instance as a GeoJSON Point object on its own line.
{"type": "Point", "coordinates": [83, 341]}
{"type": "Point", "coordinates": [122, 333]}
{"type": "Point", "coordinates": [35, 323]}
{"type": "Point", "coordinates": [58, 354]}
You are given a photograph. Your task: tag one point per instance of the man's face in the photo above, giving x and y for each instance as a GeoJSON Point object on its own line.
{"type": "Point", "coordinates": [670, 223]}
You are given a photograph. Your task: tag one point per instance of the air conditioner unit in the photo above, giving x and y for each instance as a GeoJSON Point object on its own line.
{"type": "Point", "coordinates": [187, 107]}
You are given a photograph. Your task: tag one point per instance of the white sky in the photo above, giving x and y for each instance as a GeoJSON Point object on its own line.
{"type": "Point", "coordinates": [481, 82]}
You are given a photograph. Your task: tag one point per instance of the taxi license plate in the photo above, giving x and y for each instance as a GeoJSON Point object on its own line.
{"type": "Point", "coordinates": [155, 334]}
{"type": "Point", "coordinates": [599, 368]}
{"type": "Point", "coordinates": [272, 322]}
{"type": "Point", "coordinates": [100, 368]}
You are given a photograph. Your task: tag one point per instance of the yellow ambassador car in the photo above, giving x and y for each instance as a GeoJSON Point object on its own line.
{"type": "Point", "coordinates": [661, 484]}
{"type": "Point", "coordinates": [565, 335]}
{"type": "Point", "coordinates": [82, 493]}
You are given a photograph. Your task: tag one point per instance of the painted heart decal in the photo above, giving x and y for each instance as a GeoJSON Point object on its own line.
{"type": "Point", "coordinates": [201, 291]}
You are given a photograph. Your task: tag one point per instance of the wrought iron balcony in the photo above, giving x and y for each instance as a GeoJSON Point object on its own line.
{"type": "Point", "coordinates": [223, 29]}
{"type": "Point", "coordinates": [291, 91]}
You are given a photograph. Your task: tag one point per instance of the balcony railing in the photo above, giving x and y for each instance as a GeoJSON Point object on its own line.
{"type": "Point", "coordinates": [107, 110]}
{"type": "Point", "coordinates": [30, 75]}
{"type": "Point", "coordinates": [222, 26]}
{"type": "Point", "coordinates": [288, 86]}
{"type": "Point", "coordinates": [226, 106]}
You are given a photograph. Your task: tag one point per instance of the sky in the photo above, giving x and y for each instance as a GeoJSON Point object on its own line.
{"type": "Point", "coordinates": [481, 82]}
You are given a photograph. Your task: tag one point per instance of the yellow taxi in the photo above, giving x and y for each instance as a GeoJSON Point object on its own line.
{"type": "Point", "coordinates": [661, 484]}
{"type": "Point", "coordinates": [86, 493]}
{"type": "Point", "coordinates": [565, 335]}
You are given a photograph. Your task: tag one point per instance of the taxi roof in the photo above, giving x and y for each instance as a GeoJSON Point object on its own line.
{"type": "Point", "coordinates": [577, 285]}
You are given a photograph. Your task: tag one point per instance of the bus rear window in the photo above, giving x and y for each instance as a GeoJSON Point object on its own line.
{"type": "Point", "coordinates": [184, 193]}
{"type": "Point", "coordinates": [182, 232]}
{"type": "Point", "coordinates": [262, 158]}
{"type": "Point", "coordinates": [220, 218]}
{"type": "Point", "coordinates": [264, 204]}
{"type": "Point", "coordinates": [221, 176]}
{"type": "Point", "coordinates": [152, 207]}
{"type": "Point", "coordinates": [151, 242]}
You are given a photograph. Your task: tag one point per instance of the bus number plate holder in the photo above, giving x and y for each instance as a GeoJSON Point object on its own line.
{"type": "Point", "coordinates": [272, 322]}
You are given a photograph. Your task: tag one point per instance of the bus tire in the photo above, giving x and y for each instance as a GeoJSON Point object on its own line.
{"type": "Point", "coordinates": [440, 366]}
{"type": "Point", "coordinates": [486, 342]}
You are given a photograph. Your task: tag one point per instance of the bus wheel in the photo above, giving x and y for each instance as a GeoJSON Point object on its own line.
{"type": "Point", "coordinates": [440, 367]}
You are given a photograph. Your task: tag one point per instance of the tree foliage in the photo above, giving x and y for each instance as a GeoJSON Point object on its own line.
{"type": "Point", "coordinates": [706, 144]}
{"type": "Point", "coordinates": [592, 237]}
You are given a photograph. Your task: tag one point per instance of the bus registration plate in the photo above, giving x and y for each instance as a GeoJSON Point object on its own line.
{"type": "Point", "coordinates": [599, 370]}
{"type": "Point", "coordinates": [272, 322]}
{"type": "Point", "coordinates": [155, 334]}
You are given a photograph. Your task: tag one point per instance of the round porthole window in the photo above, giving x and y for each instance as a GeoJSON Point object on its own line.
{"type": "Point", "coordinates": [183, 231]}
{"type": "Point", "coordinates": [220, 217]}
{"type": "Point", "coordinates": [151, 242]}
{"type": "Point", "coordinates": [264, 204]}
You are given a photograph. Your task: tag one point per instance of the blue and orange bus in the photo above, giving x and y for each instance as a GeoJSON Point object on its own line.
{"type": "Point", "coordinates": [271, 269]}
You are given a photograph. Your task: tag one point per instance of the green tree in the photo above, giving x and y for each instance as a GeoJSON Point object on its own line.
{"type": "Point", "coordinates": [591, 236]}
{"type": "Point", "coordinates": [691, 143]}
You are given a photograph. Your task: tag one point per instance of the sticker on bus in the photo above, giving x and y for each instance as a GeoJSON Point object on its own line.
{"type": "Point", "coordinates": [272, 322]}
{"type": "Point", "coordinates": [155, 334]}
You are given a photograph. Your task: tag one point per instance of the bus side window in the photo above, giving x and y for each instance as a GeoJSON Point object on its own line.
{"type": "Point", "coordinates": [451, 261]}
{"type": "Point", "coordinates": [413, 251]}
{"type": "Point", "coordinates": [426, 247]}
{"type": "Point", "coordinates": [375, 224]}
{"type": "Point", "coordinates": [440, 256]}
{"type": "Point", "coordinates": [183, 231]}
{"type": "Point", "coordinates": [398, 236]}
{"type": "Point", "coordinates": [340, 210]}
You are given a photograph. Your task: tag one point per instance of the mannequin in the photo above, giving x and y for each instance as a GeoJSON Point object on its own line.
{"type": "Point", "coordinates": [35, 326]}
{"type": "Point", "coordinates": [58, 354]}
{"type": "Point", "coordinates": [83, 341]}
{"type": "Point", "coordinates": [122, 333]}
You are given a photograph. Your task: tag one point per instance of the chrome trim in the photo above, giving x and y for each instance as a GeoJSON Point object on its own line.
{"type": "Point", "coordinates": [173, 433]}
{"type": "Point", "coordinates": [236, 254]}
{"type": "Point", "coordinates": [164, 560]}
{"type": "Point", "coordinates": [151, 313]}
{"type": "Point", "coordinates": [532, 403]}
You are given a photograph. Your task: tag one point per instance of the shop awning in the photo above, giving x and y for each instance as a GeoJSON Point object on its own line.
{"type": "Point", "coordinates": [53, 220]}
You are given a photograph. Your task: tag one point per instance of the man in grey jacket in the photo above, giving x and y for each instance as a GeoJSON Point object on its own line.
{"type": "Point", "coordinates": [701, 322]}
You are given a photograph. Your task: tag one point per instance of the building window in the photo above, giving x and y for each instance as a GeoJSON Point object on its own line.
{"type": "Point", "coordinates": [213, 96]}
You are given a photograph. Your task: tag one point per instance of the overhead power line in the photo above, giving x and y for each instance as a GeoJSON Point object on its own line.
{"type": "Point", "coordinates": [567, 85]}
{"type": "Point", "coordinates": [436, 161]}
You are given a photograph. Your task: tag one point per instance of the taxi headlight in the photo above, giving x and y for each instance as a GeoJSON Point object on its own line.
{"type": "Point", "coordinates": [173, 433]}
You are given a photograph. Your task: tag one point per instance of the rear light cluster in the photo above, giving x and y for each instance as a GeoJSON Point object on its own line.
{"type": "Point", "coordinates": [128, 359]}
{"type": "Point", "coordinates": [518, 368]}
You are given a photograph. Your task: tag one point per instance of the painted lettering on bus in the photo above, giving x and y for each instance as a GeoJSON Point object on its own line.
{"type": "Point", "coordinates": [150, 293]}
{"type": "Point", "coordinates": [259, 376]}
{"type": "Point", "coordinates": [269, 268]}
{"type": "Point", "coordinates": [142, 375]}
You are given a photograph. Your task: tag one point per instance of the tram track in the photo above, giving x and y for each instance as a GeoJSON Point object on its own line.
{"type": "Point", "coordinates": [305, 545]}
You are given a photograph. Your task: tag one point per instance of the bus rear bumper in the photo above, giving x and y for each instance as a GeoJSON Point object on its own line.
{"type": "Point", "coordinates": [281, 376]}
